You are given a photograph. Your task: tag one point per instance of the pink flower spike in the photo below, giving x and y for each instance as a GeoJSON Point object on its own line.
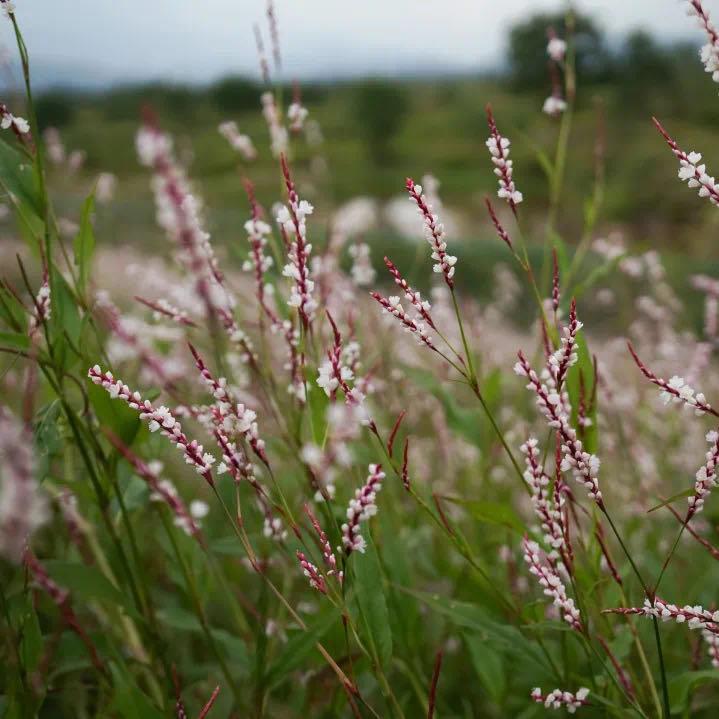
{"type": "Point", "coordinates": [422, 307]}
{"type": "Point", "coordinates": [393, 307]}
{"type": "Point", "coordinates": [675, 390]}
{"type": "Point", "coordinates": [158, 419]}
{"type": "Point", "coordinates": [551, 583]}
{"type": "Point", "coordinates": [706, 476]}
{"type": "Point", "coordinates": [434, 233]}
{"type": "Point", "coordinates": [560, 699]}
{"type": "Point", "coordinates": [694, 617]}
{"type": "Point", "coordinates": [312, 573]}
{"type": "Point", "coordinates": [498, 147]}
{"type": "Point", "coordinates": [501, 232]}
{"type": "Point", "coordinates": [327, 554]}
{"type": "Point", "coordinates": [709, 52]}
{"type": "Point", "coordinates": [360, 509]}
{"type": "Point", "coordinates": [690, 169]}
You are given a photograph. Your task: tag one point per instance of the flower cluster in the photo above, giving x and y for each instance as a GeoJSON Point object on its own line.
{"type": "Point", "coordinates": [556, 47]}
{"type": "Point", "coordinates": [706, 477]}
{"type": "Point", "coordinates": [19, 125]}
{"type": "Point", "coordinates": [565, 357]}
{"type": "Point", "coordinates": [548, 510]}
{"type": "Point", "coordinates": [676, 390]}
{"type": "Point", "coordinates": [498, 147]}
{"type": "Point", "coordinates": [22, 508]}
{"type": "Point", "coordinates": [362, 272]}
{"type": "Point", "coordinates": [551, 582]}
{"type": "Point", "coordinates": [292, 220]}
{"type": "Point", "coordinates": [360, 509]}
{"type": "Point", "coordinates": [690, 169]}
{"type": "Point", "coordinates": [695, 617]}
{"type": "Point", "coordinates": [162, 308]}
{"type": "Point", "coordinates": [434, 233]}
{"type": "Point", "coordinates": [328, 555]}
{"type": "Point", "coordinates": [393, 306]}
{"type": "Point", "coordinates": [297, 114]}
{"type": "Point", "coordinates": [312, 573]}
{"type": "Point", "coordinates": [278, 132]}
{"type": "Point", "coordinates": [228, 414]}
{"type": "Point", "coordinates": [159, 418]}
{"type": "Point", "coordinates": [42, 306]}
{"type": "Point", "coordinates": [238, 141]}
{"type": "Point", "coordinates": [423, 307]}
{"type": "Point", "coordinates": [258, 262]}
{"type": "Point", "coordinates": [709, 52]}
{"type": "Point", "coordinates": [584, 466]}
{"type": "Point", "coordinates": [559, 699]}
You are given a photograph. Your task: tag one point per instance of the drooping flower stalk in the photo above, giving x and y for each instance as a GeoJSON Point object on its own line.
{"type": "Point", "coordinates": [690, 169]}
{"type": "Point", "coordinates": [675, 390]}
{"type": "Point", "coordinates": [414, 297]}
{"type": "Point", "coordinates": [159, 418]}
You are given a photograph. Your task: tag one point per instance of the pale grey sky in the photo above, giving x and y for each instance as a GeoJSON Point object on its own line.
{"type": "Point", "coordinates": [184, 40]}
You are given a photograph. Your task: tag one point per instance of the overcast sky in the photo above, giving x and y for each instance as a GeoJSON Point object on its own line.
{"type": "Point", "coordinates": [197, 40]}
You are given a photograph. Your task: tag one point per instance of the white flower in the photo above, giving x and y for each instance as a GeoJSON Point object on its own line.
{"type": "Point", "coordinates": [556, 49]}
{"type": "Point", "coordinates": [554, 106]}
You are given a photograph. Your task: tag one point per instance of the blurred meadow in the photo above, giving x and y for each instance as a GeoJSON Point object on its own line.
{"type": "Point", "coordinates": [378, 508]}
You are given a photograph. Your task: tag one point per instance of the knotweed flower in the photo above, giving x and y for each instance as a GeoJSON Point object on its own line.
{"type": "Point", "coordinates": [159, 418]}
{"type": "Point", "coordinates": [42, 306]}
{"type": "Point", "coordinates": [712, 642]}
{"type": "Point", "coordinates": [566, 356]}
{"type": "Point", "coordinates": [548, 510]}
{"type": "Point", "coordinates": [334, 374]}
{"type": "Point", "coordinates": [162, 308]}
{"type": "Point", "coordinates": [238, 141]}
{"type": "Point", "coordinates": [551, 582]}
{"type": "Point", "coordinates": [709, 53]}
{"type": "Point", "coordinates": [162, 490]}
{"type": "Point", "coordinates": [327, 554]}
{"type": "Point", "coordinates": [232, 416]}
{"type": "Point", "coordinates": [258, 262]}
{"type": "Point", "coordinates": [274, 34]}
{"type": "Point", "coordinates": [560, 699]}
{"type": "Point", "coordinates": [22, 507]}
{"type": "Point", "coordinates": [501, 232]}
{"type": "Point", "coordinates": [554, 105]}
{"type": "Point", "coordinates": [360, 509]}
{"type": "Point", "coordinates": [19, 125]}
{"type": "Point", "coordinates": [498, 147]}
{"type": "Point", "coordinates": [422, 307]}
{"type": "Point", "coordinates": [312, 573]}
{"type": "Point", "coordinates": [8, 7]}
{"type": "Point", "coordinates": [706, 477]}
{"type": "Point", "coordinates": [694, 617]}
{"type": "Point", "coordinates": [393, 307]}
{"type": "Point", "coordinates": [676, 390]}
{"type": "Point", "coordinates": [690, 171]}
{"type": "Point", "coordinates": [362, 272]}
{"type": "Point", "coordinates": [556, 47]}
{"type": "Point", "coordinates": [584, 466]}
{"type": "Point", "coordinates": [434, 233]}
{"type": "Point", "coordinates": [279, 140]}
{"type": "Point", "coordinates": [297, 114]}
{"type": "Point", "coordinates": [292, 218]}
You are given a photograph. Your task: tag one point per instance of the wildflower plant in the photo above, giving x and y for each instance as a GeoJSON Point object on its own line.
{"type": "Point", "coordinates": [353, 524]}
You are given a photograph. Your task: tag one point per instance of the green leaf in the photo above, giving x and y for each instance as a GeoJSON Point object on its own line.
{"type": "Point", "coordinates": [674, 498]}
{"type": "Point", "coordinates": [84, 243]}
{"type": "Point", "coordinates": [491, 513]}
{"type": "Point", "coordinates": [503, 637]}
{"type": "Point", "coordinates": [681, 687]}
{"type": "Point", "coordinates": [318, 403]}
{"type": "Point", "coordinates": [113, 414]}
{"type": "Point", "coordinates": [488, 665]}
{"type": "Point", "coordinates": [299, 646]}
{"type": "Point", "coordinates": [15, 341]}
{"type": "Point", "coordinates": [369, 588]}
{"type": "Point", "coordinates": [17, 176]}
{"type": "Point", "coordinates": [129, 700]}
{"type": "Point", "coordinates": [85, 582]}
